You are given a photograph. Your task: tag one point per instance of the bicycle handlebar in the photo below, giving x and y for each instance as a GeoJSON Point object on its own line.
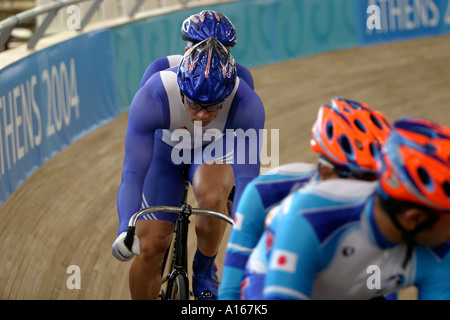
{"type": "Point", "coordinates": [153, 209]}
{"type": "Point", "coordinates": [203, 212]}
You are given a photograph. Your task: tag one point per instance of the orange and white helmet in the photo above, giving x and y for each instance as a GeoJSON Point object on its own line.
{"type": "Point", "coordinates": [349, 135]}
{"type": "Point", "coordinates": [414, 164]}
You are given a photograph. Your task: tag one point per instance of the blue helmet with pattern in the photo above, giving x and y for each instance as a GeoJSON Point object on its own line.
{"type": "Point", "coordinates": [209, 24]}
{"type": "Point", "coordinates": [207, 72]}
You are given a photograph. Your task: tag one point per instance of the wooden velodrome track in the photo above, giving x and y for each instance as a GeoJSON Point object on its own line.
{"type": "Point", "coordinates": [65, 213]}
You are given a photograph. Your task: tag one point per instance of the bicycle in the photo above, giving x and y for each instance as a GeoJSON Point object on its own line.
{"type": "Point", "coordinates": [176, 280]}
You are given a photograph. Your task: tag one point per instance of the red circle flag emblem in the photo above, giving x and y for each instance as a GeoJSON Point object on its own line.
{"type": "Point", "coordinates": [284, 260]}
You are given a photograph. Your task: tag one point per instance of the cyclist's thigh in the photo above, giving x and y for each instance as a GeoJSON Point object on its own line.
{"type": "Point", "coordinates": [164, 183]}
{"type": "Point", "coordinates": [211, 166]}
{"type": "Point", "coordinates": [212, 178]}
{"type": "Point", "coordinates": [154, 236]}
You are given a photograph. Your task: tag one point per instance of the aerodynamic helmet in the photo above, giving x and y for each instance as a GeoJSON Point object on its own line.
{"type": "Point", "coordinates": [207, 72]}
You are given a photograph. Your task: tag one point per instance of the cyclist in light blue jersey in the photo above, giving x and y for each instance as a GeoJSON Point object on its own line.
{"type": "Point", "coordinates": [175, 122]}
{"type": "Point", "coordinates": [346, 239]}
{"type": "Point", "coordinates": [345, 135]}
{"type": "Point", "coordinates": [196, 28]}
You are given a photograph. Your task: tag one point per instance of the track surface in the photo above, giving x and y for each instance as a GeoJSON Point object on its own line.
{"type": "Point", "coordinates": [65, 213]}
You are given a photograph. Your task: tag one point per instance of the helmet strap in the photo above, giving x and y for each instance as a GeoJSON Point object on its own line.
{"type": "Point", "coordinates": [409, 235]}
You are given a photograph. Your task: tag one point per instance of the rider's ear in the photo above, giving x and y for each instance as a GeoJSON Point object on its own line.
{"type": "Point", "coordinates": [326, 172]}
{"type": "Point", "coordinates": [412, 217]}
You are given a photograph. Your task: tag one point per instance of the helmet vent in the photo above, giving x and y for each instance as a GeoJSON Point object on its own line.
{"type": "Point", "coordinates": [330, 130]}
{"type": "Point", "coordinates": [424, 176]}
{"type": "Point", "coordinates": [373, 150]}
{"type": "Point", "coordinates": [345, 144]}
{"type": "Point", "coordinates": [376, 121]}
{"type": "Point", "coordinates": [446, 187]}
{"type": "Point", "coordinates": [360, 126]}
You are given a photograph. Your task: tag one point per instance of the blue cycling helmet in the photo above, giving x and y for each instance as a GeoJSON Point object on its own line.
{"type": "Point", "coordinates": [209, 24]}
{"type": "Point", "coordinates": [207, 72]}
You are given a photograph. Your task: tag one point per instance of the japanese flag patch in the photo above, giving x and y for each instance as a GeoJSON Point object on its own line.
{"type": "Point", "coordinates": [284, 260]}
{"type": "Point", "coordinates": [238, 221]}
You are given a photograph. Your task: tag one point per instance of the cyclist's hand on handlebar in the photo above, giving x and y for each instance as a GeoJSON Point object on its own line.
{"type": "Point", "coordinates": [120, 250]}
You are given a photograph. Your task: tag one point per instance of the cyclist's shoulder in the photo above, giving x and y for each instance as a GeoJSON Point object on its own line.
{"type": "Point", "coordinates": [333, 199]}
{"type": "Point", "coordinates": [316, 216]}
{"type": "Point", "coordinates": [246, 109]}
{"type": "Point", "coordinates": [289, 171]}
{"type": "Point", "coordinates": [245, 96]}
{"type": "Point", "coordinates": [154, 94]}
{"type": "Point", "coordinates": [437, 255]}
{"type": "Point", "coordinates": [174, 60]}
{"type": "Point", "coordinates": [443, 252]}
{"type": "Point", "coordinates": [166, 62]}
{"type": "Point", "coordinates": [432, 266]}
{"type": "Point", "coordinates": [342, 190]}
{"type": "Point", "coordinates": [277, 182]}
{"type": "Point", "coordinates": [161, 80]}
{"type": "Point", "coordinates": [245, 75]}
{"type": "Point", "coordinates": [241, 67]}
{"type": "Point", "coordinates": [292, 169]}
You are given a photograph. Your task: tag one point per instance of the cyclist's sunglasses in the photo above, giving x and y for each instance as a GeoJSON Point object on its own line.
{"type": "Point", "coordinates": [198, 107]}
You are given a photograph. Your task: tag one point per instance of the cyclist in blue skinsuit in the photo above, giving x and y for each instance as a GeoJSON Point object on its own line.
{"type": "Point", "coordinates": [345, 239]}
{"type": "Point", "coordinates": [336, 134]}
{"type": "Point", "coordinates": [204, 89]}
{"type": "Point", "coordinates": [198, 27]}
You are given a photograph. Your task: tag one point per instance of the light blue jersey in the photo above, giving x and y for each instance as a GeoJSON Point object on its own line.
{"type": "Point", "coordinates": [260, 196]}
{"type": "Point", "coordinates": [256, 269]}
{"type": "Point", "coordinates": [328, 246]}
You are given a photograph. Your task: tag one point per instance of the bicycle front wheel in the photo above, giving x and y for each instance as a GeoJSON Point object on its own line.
{"type": "Point", "coordinates": [178, 288]}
